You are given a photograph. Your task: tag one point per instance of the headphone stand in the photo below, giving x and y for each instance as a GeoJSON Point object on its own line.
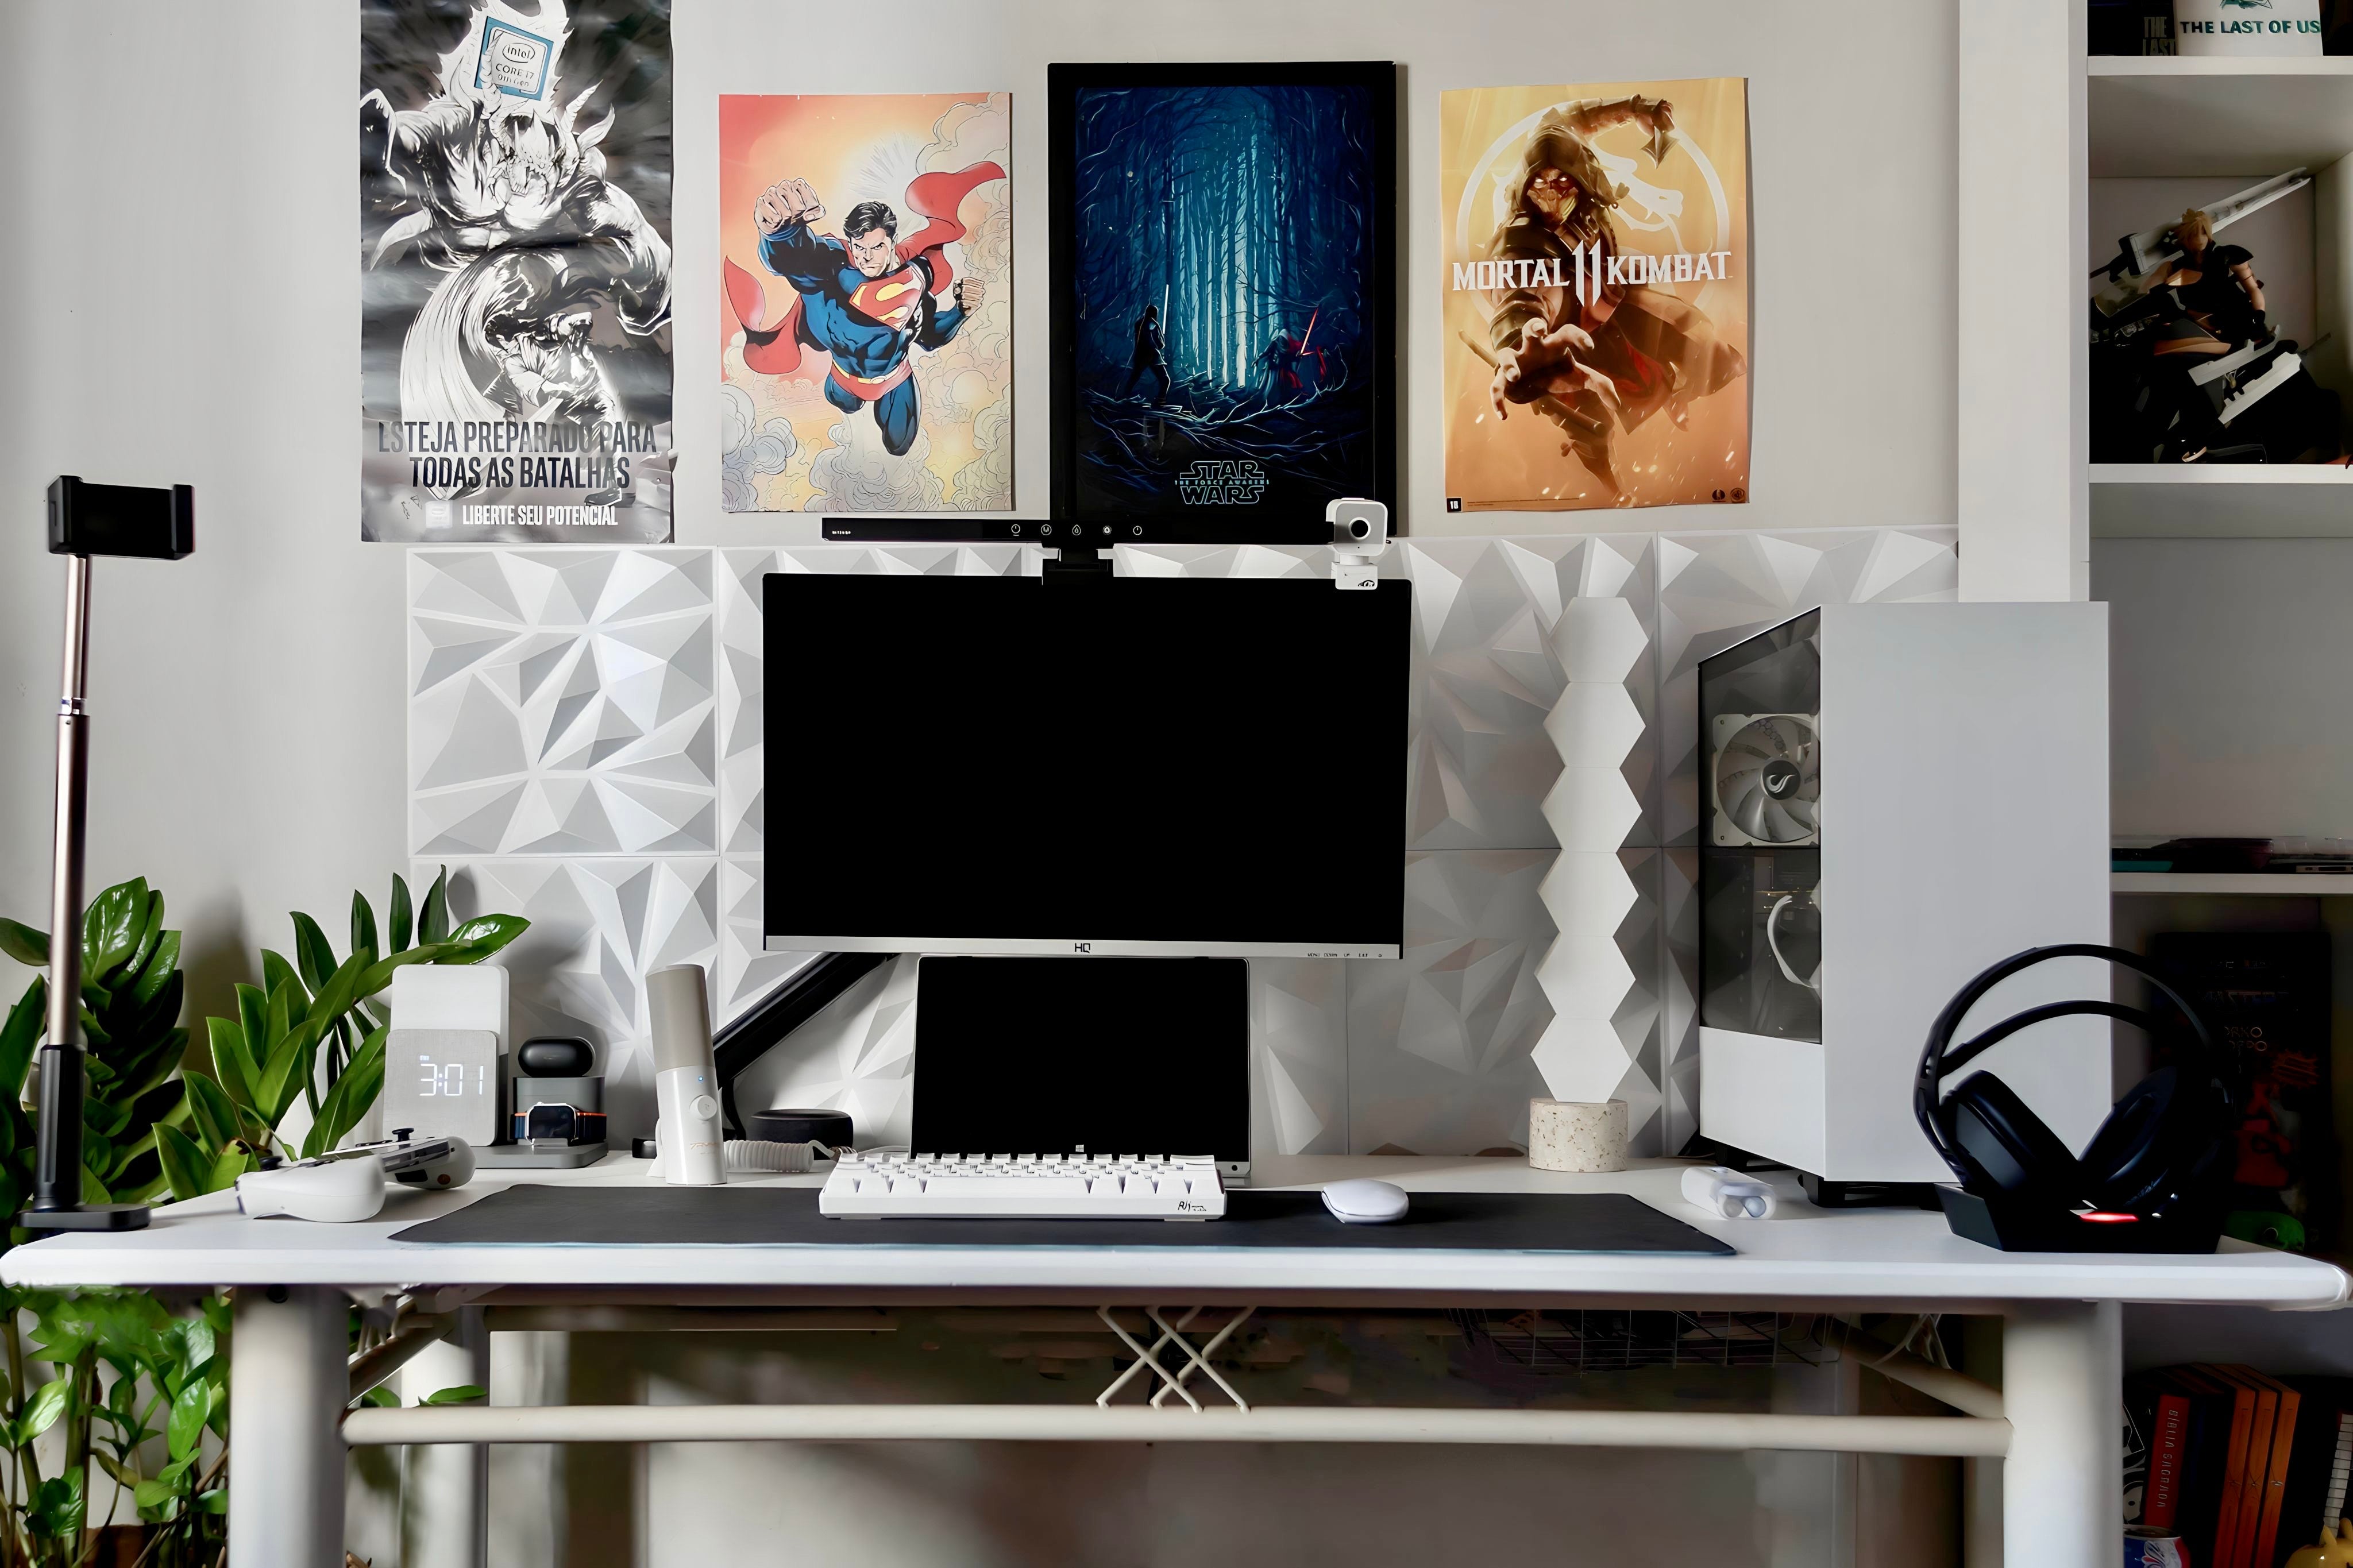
{"type": "Point", "coordinates": [2034, 1226]}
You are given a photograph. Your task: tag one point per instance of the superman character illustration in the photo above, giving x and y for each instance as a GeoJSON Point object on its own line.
{"type": "Point", "coordinates": [870, 367]}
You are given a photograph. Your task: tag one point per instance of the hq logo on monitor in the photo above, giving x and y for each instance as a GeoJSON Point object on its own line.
{"type": "Point", "coordinates": [513, 61]}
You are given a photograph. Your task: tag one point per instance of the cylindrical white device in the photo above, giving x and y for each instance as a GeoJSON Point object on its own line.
{"type": "Point", "coordinates": [692, 1141]}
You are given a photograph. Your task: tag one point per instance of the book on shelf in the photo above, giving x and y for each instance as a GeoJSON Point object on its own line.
{"type": "Point", "coordinates": [2156, 1432]}
{"type": "Point", "coordinates": [2315, 1496]}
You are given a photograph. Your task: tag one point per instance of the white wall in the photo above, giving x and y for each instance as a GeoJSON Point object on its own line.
{"type": "Point", "coordinates": [178, 301]}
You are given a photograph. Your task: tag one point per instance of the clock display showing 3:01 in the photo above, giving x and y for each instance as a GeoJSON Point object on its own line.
{"type": "Point", "coordinates": [447, 1080]}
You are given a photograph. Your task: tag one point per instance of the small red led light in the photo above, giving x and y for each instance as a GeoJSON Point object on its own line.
{"type": "Point", "coordinates": [2096, 1217]}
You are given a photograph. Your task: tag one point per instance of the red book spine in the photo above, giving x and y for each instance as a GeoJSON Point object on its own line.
{"type": "Point", "coordinates": [2164, 1457]}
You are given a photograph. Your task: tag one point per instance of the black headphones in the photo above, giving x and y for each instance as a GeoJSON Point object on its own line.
{"type": "Point", "coordinates": [2153, 1155]}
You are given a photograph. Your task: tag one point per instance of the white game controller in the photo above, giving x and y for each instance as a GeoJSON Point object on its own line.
{"type": "Point", "coordinates": [1728, 1194]}
{"type": "Point", "coordinates": [349, 1184]}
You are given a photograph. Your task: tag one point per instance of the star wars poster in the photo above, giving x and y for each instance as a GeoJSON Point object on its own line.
{"type": "Point", "coordinates": [515, 271]}
{"type": "Point", "coordinates": [867, 335]}
{"type": "Point", "coordinates": [1224, 352]}
{"type": "Point", "coordinates": [1596, 303]}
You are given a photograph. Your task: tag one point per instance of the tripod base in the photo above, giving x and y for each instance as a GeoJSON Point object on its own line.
{"type": "Point", "coordinates": [89, 1216]}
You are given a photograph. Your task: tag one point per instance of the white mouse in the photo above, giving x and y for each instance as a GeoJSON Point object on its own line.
{"type": "Point", "coordinates": [1365, 1203]}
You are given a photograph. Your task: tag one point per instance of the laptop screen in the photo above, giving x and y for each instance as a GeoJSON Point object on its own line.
{"type": "Point", "coordinates": [1083, 1056]}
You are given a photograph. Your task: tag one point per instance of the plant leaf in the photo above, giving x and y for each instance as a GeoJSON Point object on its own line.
{"type": "Point", "coordinates": [349, 1100]}
{"type": "Point", "coordinates": [20, 1037]}
{"type": "Point", "coordinates": [482, 936]}
{"type": "Point", "coordinates": [161, 965]}
{"type": "Point", "coordinates": [253, 1017]}
{"type": "Point", "coordinates": [363, 925]}
{"type": "Point", "coordinates": [311, 951]}
{"type": "Point", "coordinates": [283, 1075]}
{"type": "Point", "coordinates": [379, 974]}
{"type": "Point", "coordinates": [433, 921]}
{"type": "Point", "coordinates": [213, 1111]}
{"type": "Point", "coordinates": [228, 1166]}
{"type": "Point", "coordinates": [49, 1402]}
{"type": "Point", "coordinates": [278, 1018]}
{"type": "Point", "coordinates": [25, 945]}
{"type": "Point", "coordinates": [380, 1396]}
{"type": "Point", "coordinates": [232, 1061]}
{"type": "Point", "coordinates": [213, 1501]}
{"type": "Point", "coordinates": [150, 932]}
{"type": "Point", "coordinates": [185, 1164]}
{"type": "Point", "coordinates": [156, 1499]}
{"type": "Point", "coordinates": [186, 1425]}
{"type": "Point", "coordinates": [396, 915]}
{"type": "Point", "coordinates": [463, 1393]}
{"type": "Point", "coordinates": [280, 979]}
{"type": "Point", "coordinates": [113, 925]}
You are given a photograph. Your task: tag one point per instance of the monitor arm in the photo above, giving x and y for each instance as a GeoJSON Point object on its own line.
{"type": "Point", "coordinates": [802, 996]}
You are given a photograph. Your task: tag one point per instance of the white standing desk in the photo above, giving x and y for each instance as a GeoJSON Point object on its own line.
{"type": "Point", "coordinates": [2055, 1421]}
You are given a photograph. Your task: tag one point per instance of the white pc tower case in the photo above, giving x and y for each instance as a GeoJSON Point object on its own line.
{"type": "Point", "coordinates": [1893, 797]}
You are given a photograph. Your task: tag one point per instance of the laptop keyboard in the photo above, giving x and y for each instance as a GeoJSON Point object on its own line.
{"type": "Point", "coordinates": [1023, 1186]}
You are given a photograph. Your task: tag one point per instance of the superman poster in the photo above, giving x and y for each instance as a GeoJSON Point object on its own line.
{"type": "Point", "coordinates": [1225, 333]}
{"type": "Point", "coordinates": [1595, 293]}
{"type": "Point", "coordinates": [515, 271]}
{"type": "Point", "coordinates": [866, 247]}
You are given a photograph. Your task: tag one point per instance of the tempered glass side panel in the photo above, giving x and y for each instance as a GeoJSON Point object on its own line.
{"type": "Point", "coordinates": [1761, 941]}
{"type": "Point", "coordinates": [1760, 833]}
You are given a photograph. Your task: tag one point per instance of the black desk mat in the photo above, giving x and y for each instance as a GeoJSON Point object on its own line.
{"type": "Point", "coordinates": [788, 1216]}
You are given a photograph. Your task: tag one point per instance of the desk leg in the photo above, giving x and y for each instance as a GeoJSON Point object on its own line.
{"type": "Point", "coordinates": [445, 1499]}
{"type": "Point", "coordinates": [288, 1387]}
{"type": "Point", "coordinates": [2062, 1387]}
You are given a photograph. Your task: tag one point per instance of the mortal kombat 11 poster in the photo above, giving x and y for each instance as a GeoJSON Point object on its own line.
{"type": "Point", "coordinates": [515, 271]}
{"type": "Point", "coordinates": [866, 334]}
{"type": "Point", "coordinates": [1596, 294]}
{"type": "Point", "coordinates": [1224, 330]}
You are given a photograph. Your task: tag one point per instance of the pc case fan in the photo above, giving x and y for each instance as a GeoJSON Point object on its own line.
{"type": "Point", "coordinates": [1768, 779]}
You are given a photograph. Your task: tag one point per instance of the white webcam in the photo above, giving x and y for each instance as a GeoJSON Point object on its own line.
{"type": "Point", "coordinates": [1360, 535]}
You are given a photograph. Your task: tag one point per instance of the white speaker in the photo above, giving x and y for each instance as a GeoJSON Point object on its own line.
{"type": "Point", "coordinates": [689, 1136]}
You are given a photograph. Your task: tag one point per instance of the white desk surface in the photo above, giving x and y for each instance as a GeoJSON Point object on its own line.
{"type": "Point", "coordinates": [1804, 1255]}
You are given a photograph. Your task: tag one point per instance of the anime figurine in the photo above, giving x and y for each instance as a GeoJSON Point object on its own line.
{"type": "Point", "coordinates": [2335, 1549]}
{"type": "Point", "coordinates": [506, 198]}
{"type": "Point", "coordinates": [865, 298]}
{"type": "Point", "coordinates": [2185, 365]}
{"type": "Point", "coordinates": [1148, 357]}
{"type": "Point", "coordinates": [2215, 283]}
{"type": "Point", "coordinates": [1622, 352]}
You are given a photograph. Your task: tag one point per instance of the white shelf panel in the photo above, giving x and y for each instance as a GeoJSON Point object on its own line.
{"type": "Point", "coordinates": [2176, 66]}
{"type": "Point", "coordinates": [2224, 118]}
{"type": "Point", "coordinates": [2285, 500]}
{"type": "Point", "coordinates": [2280, 884]}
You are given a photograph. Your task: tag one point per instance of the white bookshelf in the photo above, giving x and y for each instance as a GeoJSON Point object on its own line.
{"type": "Point", "coordinates": [2267, 884]}
{"type": "Point", "coordinates": [2153, 501]}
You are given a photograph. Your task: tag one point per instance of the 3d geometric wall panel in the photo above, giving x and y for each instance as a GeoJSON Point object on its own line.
{"type": "Point", "coordinates": [1441, 1044]}
{"type": "Point", "coordinates": [562, 702]}
{"type": "Point", "coordinates": [1485, 681]}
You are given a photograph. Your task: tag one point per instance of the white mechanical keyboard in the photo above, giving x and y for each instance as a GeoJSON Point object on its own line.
{"type": "Point", "coordinates": [1022, 1186]}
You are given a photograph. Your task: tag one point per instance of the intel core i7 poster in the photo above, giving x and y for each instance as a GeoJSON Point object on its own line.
{"type": "Point", "coordinates": [1595, 278]}
{"type": "Point", "coordinates": [515, 271]}
{"type": "Point", "coordinates": [1224, 298]}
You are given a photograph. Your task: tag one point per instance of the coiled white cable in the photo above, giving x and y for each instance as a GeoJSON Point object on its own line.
{"type": "Point", "coordinates": [759, 1154]}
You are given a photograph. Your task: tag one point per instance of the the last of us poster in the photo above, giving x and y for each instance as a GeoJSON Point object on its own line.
{"type": "Point", "coordinates": [515, 271]}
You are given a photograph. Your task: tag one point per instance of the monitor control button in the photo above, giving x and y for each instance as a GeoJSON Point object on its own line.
{"type": "Point", "coordinates": [1046, 528]}
{"type": "Point", "coordinates": [1137, 529]}
{"type": "Point", "coordinates": [1016, 530]}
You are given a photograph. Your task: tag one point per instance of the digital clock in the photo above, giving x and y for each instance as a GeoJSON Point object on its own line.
{"type": "Point", "coordinates": [445, 1083]}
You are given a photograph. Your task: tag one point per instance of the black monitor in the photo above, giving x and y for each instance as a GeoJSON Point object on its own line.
{"type": "Point", "coordinates": [1113, 766]}
{"type": "Point", "coordinates": [1013, 1057]}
